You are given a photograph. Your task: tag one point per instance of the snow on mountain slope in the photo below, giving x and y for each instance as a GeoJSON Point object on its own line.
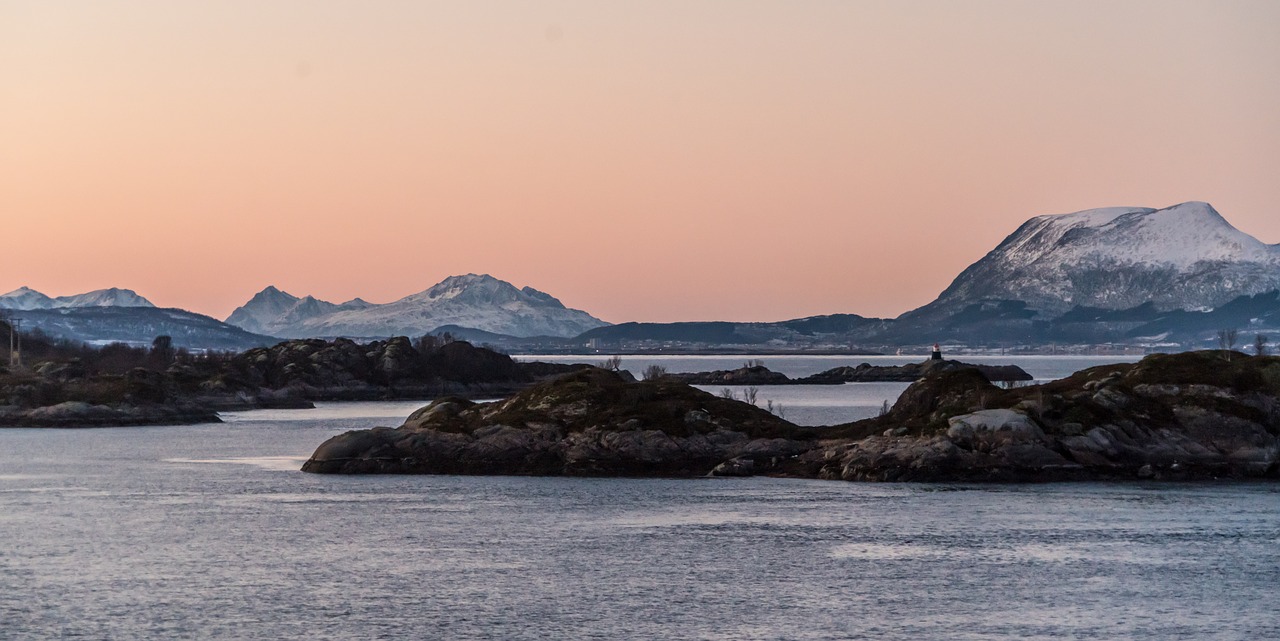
{"type": "Point", "coordinates": [25, 298]}
{"type": "Point", "coordinates": [113, 297]}
{"type": "Point", "coordinates": [272, 311]}
{"type": "Point", "coordinates": [1182, 257]}
{"type": "Point", "coordinates": [475, 301]}
{"type": "Point", "coordinates": [259, 312]}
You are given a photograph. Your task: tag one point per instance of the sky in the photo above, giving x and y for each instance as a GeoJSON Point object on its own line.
{"type": "Point", "coordinates": [648, 160]}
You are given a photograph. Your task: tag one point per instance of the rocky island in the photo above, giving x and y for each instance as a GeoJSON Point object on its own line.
{"type": "Point", "coordinates": [1182, 416]}
{"type": "Point", "coordinates": [757, 374]}
{"type": "Point", "coordinates": [78, 386]}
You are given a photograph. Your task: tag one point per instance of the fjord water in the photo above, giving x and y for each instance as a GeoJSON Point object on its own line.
{"type": "Point", "coordinates": [210, 532]}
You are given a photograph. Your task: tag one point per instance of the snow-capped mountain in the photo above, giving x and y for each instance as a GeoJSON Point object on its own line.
{"type": "Point", "coordinates": [113, 297]}
{"type": "Point", "coordinates": [1182, 257]}
{"type": "Point", "coordinates": [273, 312]}
{"type": "Point", "coordinates": [475, 301]}
{"type": "Point", "coordinates": [25, 298]}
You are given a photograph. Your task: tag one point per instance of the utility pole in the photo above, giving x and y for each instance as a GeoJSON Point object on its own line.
{"type": "Point", "coordinates": [8, 320]}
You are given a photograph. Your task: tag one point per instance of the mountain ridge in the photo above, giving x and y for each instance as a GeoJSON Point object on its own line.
{"type": "Point", "coordinates": [476, 301]}
{"type": "Point", "coordinates": [25, 298]}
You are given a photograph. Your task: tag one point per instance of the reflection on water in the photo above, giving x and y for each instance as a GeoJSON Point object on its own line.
{"type": "Point", "coordinates": [330, 411]}
{"type": "Point", "coordinates": [277, 463]}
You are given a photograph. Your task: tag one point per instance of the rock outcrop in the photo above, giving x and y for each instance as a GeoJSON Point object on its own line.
{"type": "Point", "coordinates": [1192, 415]}
{"type": "Point", "coordinates": [745, 375]}
{"type": "Point", "coordinates": [591, 422]}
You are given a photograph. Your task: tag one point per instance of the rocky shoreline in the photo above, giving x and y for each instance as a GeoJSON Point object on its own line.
{"type": "Point", "coordinates": [1182, 416]}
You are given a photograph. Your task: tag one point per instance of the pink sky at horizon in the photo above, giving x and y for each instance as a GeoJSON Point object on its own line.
{"type": "Point", "coordinates": [651, 161]}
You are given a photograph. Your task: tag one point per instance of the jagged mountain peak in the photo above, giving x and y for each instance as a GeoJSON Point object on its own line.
{"type": "Point", "coordinates": [477, 286]}
{"type": "Point", "coordinates": [271, 292]}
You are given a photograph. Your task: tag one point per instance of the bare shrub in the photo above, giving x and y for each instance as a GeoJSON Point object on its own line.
{"type": "Point", "coordinates": [654, 372]}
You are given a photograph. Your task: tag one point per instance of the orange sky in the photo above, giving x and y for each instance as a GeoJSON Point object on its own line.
{"type": "Point", "coordinates": [641, 160]}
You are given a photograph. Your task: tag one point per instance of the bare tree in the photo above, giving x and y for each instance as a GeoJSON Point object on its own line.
{"type": "Point", "coordinates": [613, 363]}
{"type": "Point", "coordinates": [1227, 341]}
{"type": "Point", "coordinates": [884, 407]}
{"type": "Point", "coordinates": [725, 392]}
{"type": "Point", "coordinates": [749, 394]}
{"type": "Point", "coordinates": [654, 372]}
{"type": "Point", "coordinates": [775, 408]}
{"type": "Point", "coordinates": [1260, 344]}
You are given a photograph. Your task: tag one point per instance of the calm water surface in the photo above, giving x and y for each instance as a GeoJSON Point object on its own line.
{"type": "Point", "coordinates": [208, 532]}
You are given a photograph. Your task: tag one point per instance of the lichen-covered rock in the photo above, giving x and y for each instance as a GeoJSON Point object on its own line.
{"type": "Point", "coordinates": [1003, 426]}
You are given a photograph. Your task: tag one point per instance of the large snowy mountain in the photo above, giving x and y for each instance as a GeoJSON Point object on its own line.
{"type": "Point", "coordinates": [25, 298]}
{"type": "Point", "coordinates": [473, 301]}
{"type": "Point", "coordinates": [1185, 257]}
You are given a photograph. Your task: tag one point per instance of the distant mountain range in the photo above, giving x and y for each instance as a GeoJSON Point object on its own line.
{"type": "Point", "coordinates": [1170, 277]}
{"type": "Point", "coordinates": [474, 301]}
{"type": "Point", "coordinates": [1159, 277]}
{"type": "Point", "coordinates": [25, 298]}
